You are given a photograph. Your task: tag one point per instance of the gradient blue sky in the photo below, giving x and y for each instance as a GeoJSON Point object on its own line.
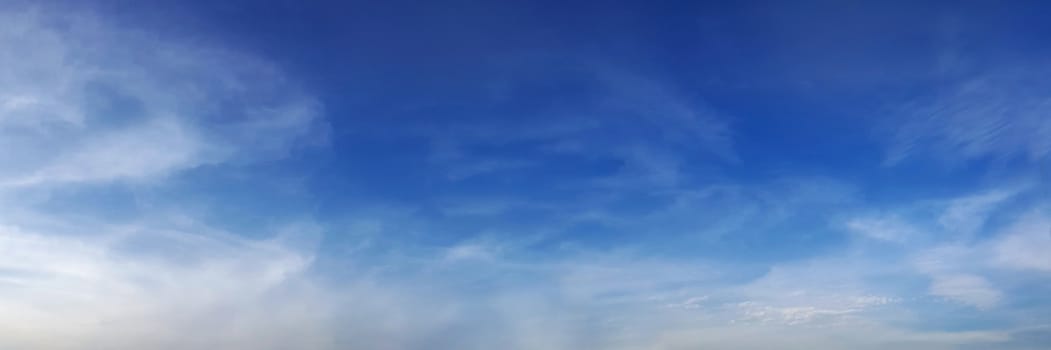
{"type": "Point", "coordinates": [525, 175]}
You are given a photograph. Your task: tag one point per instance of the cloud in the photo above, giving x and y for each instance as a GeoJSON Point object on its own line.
{"type": "Point", "coordinates": [1029, 338]}
{"type": "Point", "coordinates": [752, 312]}
{"type": "Point", "coordinates": [163, 286]}
{"type": "Point", "coordinates": [613, 114]}
{"type": "Point", "coordinates": [680, 121]}
{"type": "Point", "coordinates": [137, 287]}
{"type": "Point", "coordinates": [966, 215]}
{"type": "Point", "coordinates": [962, 271]}
{"type": "Point", "coordinates": [84, 101]}
{"type": "Point", "coordinates": [884, 228]}
{"type": "Point", "coordinates": [1024, 245]}
{"type": "Point", "coordinates": [996, 115]}
{"type": "Point", "coordinates": [936, 220]}
{"type": "Point", "coordinates": [971, 241]}
{"type": "Point", "coordinates": [825, 291]}
{"type": "Point", "coordinates": [873, 337]}
{"type": "Point", "coordinates": [143, 151]}
{"type": "Point", "coordinates": [955, 273]}
{"type": "Point", "coordinates": [969, 289]}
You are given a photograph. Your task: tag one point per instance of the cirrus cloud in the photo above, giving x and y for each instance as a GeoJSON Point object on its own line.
{"type": "Point", "coordinates": [85, 101]}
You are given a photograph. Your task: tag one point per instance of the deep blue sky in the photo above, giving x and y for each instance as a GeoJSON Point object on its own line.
{"type": "Point", "coordinates": [525, 175]}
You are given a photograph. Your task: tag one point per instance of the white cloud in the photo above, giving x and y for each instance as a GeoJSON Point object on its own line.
{"type": "Point", "coordinates": [679, 120]}
{"type": "Point", "coordinates": [952, 269]}
{"type": "Point", "coordinates": [825, 291]}
{"type": "Point", "coordinates": [158, 287]}
{"type": "Point", "coordinates": [774, 336]}
{"type": "Point", "coordinates": [472, 251]}
{"type": "Point", "coordinates": [957, 245]}
{"type": "Point", "coordinates": [884, 228]}
{"type": "Point", "coordinates": [84, 101]}
{"type": "Point", "coordinates": [154, 149]}
{"type": "Point", "coordinates": [624, 116]}
{"type": "Point", "coordinates": [969, 289]}
{"type": "Point", "coordinates": [925, 221]}
{"type": "Point", "coordinates": [996, 115]}
{"type": "Point", "coordinates": [790, 315]}
{"type": "Point", "coordinates": [966, 215]}
{"type": "Point", "coordinates": [1026, 244]}
{"type": "Point", "coordinates": [140, 287]}
{"type": "Point", "coordinates": [690, 303]}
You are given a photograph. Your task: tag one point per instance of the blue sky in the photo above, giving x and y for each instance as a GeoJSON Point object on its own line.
{"type": "Point", "coordinates": [524, 175]}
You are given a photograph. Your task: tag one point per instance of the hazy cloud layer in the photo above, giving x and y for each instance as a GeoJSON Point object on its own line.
{"type": "Point", "coordinates": [88, 107]}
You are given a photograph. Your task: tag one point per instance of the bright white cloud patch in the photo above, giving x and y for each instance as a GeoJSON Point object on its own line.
{"type": "Point", "coordinates": [143, 288]}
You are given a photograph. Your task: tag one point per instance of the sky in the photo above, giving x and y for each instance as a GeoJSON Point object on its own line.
{"type": "Point", "coordinates": [534, 175]}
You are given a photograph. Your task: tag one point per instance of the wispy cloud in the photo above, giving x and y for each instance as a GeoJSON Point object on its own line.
{"type": "Point", "coordinates": [648, 246]}
{"type": "Point", "coordinates": [132, 287]}
{"type": "Point", "coordinates": [969, 289]}
{"type": "Point", "coordinates": [886, 228]}
{"type": "Point", "coordinates": [620, 115]}
{"type": "Point", "coordinates": [82, 101]}
{"type": "Point", "coordinates": [996, 115]}
{"type": "Point", "coordinates": [1024, 245]}
{"type": "Point", "coordinates": [965, 245]}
